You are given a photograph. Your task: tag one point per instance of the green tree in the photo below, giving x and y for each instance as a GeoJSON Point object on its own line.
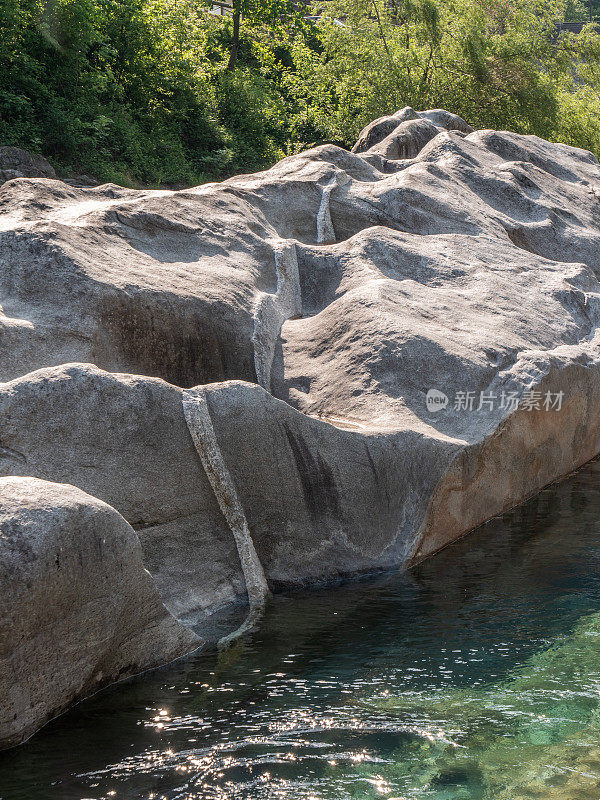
{"type": "Point", "coordinates": [577, 11]}
{"type": "Point", "coordinates": [497, 63]}
{"type": "Point", "coordinates": [161, 91]}
{"type": "Point", "coordinates": [277, 15]}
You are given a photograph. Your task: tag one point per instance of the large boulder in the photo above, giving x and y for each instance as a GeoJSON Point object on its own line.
{"type": "Point", "coordinates": [79, 611]}
{"type": "Point", "coordinates": [18, 163]}
{"type": "Point", "coordinates": [328, 502]}
{"type": "Point", "coordinates": [171, 284]}
{"type": "Point", "coordinates": [124, 439]}
{"type": "Point", "coordinates": [389, 347]}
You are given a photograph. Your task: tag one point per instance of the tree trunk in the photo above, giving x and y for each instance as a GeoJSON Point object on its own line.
{"type": "Point", "coordinates": [233, 53]}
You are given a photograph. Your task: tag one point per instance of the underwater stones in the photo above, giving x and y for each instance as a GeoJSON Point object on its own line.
{"type": "Point", "coordinates": [79, 610]}
{"type": "Point", "coordinates": [531, 734]}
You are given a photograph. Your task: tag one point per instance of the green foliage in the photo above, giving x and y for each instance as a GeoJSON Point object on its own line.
{"type": "Point", "coordinates": [497, 63]}
{"type": "Point", "coordinates": [132, 91]}
{"type": "Point", "coordinates": [576, 11]}
{"type": "Point", "coordinates": [595, 8]}
{"type": "Point", "coordinates": [139, 91]}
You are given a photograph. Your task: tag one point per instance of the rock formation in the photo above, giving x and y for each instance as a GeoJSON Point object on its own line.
{"type": "Point", "coordinates": [78, 611]}
{"type": "Point", "coordinates": [386, 348]}
{"type": "Point", "coordinates": [18, 163]}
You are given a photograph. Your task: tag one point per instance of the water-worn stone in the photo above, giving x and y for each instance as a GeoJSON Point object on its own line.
{"type": "Point", "coordinates": [79, 611]}
{"type": "Point", "coordinates": [18, 163]}
{"type": "Point", "coordinates": [327, 306]}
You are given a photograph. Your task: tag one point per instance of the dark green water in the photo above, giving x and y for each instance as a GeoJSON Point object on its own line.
{"type": "Point", "coordinates": [475, 678]}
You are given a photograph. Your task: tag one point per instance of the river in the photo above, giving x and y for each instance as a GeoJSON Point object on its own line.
{"type": "Point", "coordinates": [474, 677]}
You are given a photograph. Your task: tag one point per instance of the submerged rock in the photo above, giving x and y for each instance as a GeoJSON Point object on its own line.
{"type": "Point", "coordinates": [532, 735]}
{"type": "Point", "coordinates": [394, 345]}
{"type": "Point", "coordinates": [79, 611]}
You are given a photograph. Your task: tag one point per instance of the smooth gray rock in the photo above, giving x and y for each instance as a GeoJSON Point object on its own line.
{"type": "Point", "coordinates": [18, 163]}
{"type": "Point", "coordinates": [79, 611]}
{"type": "Point", "coordinates": [423, 287]}
{"type": "Point", "coordinates": [319, 304]}
{"type": "Point", "coordinates": [404, 121]}
{"type": "Point", "coordinates": [124, 439]}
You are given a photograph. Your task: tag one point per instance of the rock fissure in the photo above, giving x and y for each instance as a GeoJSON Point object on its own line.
{"type": "Point", "coordinates": [273, 309]}
{"type": "Point", "coordinates": [325, 230]}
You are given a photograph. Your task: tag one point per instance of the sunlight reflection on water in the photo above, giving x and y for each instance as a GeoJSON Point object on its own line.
{"type": "Point", "coordinates": [477, 677]}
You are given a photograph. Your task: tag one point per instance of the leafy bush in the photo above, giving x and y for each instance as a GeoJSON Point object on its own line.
{"type": "Point", "coordinates": [146, 91]}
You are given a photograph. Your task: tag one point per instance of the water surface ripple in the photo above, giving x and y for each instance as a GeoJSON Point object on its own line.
{"type": "Point", "coordinates": [476, 677]}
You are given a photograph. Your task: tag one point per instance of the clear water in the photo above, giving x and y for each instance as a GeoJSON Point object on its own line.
{"type": "Point", "coordinates": [476, 677]}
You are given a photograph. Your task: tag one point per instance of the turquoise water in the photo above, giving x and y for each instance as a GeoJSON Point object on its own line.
{"type": "Point", "coordinates": [476, 677]}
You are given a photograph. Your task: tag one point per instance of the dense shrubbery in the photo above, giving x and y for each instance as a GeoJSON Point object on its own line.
{"type": "Point", "coordinates": [146, 91]}
{"type": "Point", "coordinates": [133, 90]}
{"type": "Point", "coordinates": [497, 63]}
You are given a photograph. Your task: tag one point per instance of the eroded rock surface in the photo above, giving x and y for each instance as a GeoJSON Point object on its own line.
{"type": "Point", "coordinates": [79, 611]}
{"type": "Point", "coordinates": [317, 304]}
